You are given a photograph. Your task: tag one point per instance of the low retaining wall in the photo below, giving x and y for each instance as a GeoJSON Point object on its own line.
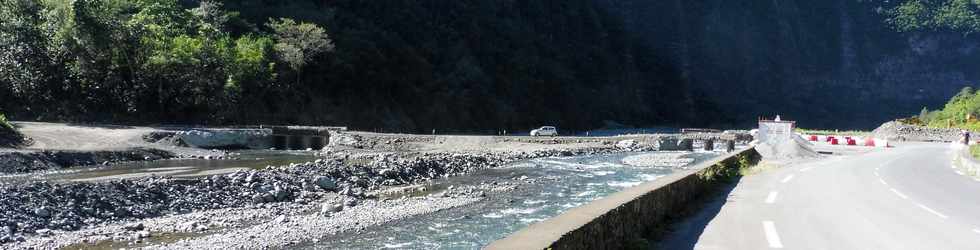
{"type": "Point", "coordinates": [613, 221]}
{"type": "Point", "coordinates": [965, 162]}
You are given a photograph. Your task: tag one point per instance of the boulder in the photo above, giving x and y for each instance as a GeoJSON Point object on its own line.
{"type": "Point", "coordinates": [42, 212]}
{"type": "Point", "coordinates": [134, 227]}
{"type": "Point", "coordinates": [626, 144]}
{"type": "Point", "coordinates": [326, 183]}
{"type": "Point", "coordinates": [329, 208]}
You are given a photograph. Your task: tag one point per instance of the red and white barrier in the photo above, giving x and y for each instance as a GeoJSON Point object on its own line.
{"type": "Point", "coordinates": [849, 140]}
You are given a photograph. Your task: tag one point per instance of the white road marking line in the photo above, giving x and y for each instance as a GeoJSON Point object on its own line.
{"type": "Point", "coordinates": [959, 172]}
{"type": "Point", "coordinates": [900, 194]}
{"type": "Point", "coordinates": [876, 174]}
{"type": "Point", "coordinates": [976, 230]}
{"type": "Point", "coordinates": [787, 179]}
{"type": "Point", "coordinates": [772, 197]}
{"type": "Point", "coordinates": [932, 211]}
{"type": "Point", "coordinates": [771, 236]}
{"type": "Point", "coordinates": [883, 181]}
{"type": "Point", "coordinates": [806, 169]}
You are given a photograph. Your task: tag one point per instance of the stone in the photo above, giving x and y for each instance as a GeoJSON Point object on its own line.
{"type": "Point", "coordinates": [134, 227]}
{"type": "Point", "coordinates": [326, 183]}
{"type": "Point", "coordinates": [626, 144]}
{"type": "Point", "coordinates": [43, 212]}
{"type": "Point", "coordinates": [280, 193]}
{"type": "Point", "coordinates": [281, 219]}
{"type": "Point", "coordinates": [350, 202]}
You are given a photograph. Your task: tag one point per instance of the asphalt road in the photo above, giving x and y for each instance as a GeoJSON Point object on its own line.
{"type": "Point", "coordinates": [908, 197]}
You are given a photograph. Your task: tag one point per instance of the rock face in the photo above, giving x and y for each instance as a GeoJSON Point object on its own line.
{"type": "Point", "coordinates": [865, 73]}
{"type": "Point", "coordinates": [227, 138]}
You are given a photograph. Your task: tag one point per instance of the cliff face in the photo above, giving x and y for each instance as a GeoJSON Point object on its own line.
{"type": "Point", "coordinates": [823, 63]}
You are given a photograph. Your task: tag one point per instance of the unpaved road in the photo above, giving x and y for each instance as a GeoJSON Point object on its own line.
{"type": "Point", "coordinates": [58, 136]}
{"type": "Point", "coordinates": [906, 197]}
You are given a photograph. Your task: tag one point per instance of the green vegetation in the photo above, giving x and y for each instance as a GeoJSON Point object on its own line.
{"type": "Point", "coordinates": [111, 59]}
{"type": "Point", "coordinates": [950, 15]}
{"type": "Point", "coordinates": [9, 137]}
{"type": "Point", "coordinates": [975, 151]}
{"type": "Point", "coordinates": [5, 125]}
{"type": "Point", "coordinates": [402, 65]}
{"type": "Point", "coordinates": [961, 111]}
{"type": "Point", "coordinates": [414, 66]}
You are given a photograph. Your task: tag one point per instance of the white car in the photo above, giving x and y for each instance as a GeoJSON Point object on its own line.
{"type": "Point", "coordinates": [545, 131]}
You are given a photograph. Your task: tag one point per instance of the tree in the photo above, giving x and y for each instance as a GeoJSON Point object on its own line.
{"type": "Point", "coordinates": [951, 15]}
{"type": "Point", "coordinates": [22, 57]}
{"type": "Point", "coordinates": [297, 43]}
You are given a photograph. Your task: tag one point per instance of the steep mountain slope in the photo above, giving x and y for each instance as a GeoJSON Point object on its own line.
{"type": "Point", "coordinates": [824, 63]}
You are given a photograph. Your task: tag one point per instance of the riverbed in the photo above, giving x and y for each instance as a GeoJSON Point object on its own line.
{"type": "Point", "coordinates": [549, 187]}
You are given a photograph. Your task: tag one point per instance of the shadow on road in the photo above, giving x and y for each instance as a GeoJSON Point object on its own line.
{"type": "Point", "coordinates": [684, 232]}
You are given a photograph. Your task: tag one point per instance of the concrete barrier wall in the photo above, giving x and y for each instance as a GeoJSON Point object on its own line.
{"type": "Point", "coordinates": [613, 221]}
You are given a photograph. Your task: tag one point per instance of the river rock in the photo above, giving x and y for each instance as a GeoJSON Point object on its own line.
{"type": "Point", "coordinates": [626, 144]}
{"type": "Point", "coordinates": [42, 212]}
{"type": "Point", "coordinates": [326, 183]}
{"type": "Point", "coordinates": [134, 227]}
{"type": "Point", "coordinates": [329, 208]}
{"type": "Point", "coordinates": [350, 202]}
{"type": "Point", "coordinates": [281, 219]}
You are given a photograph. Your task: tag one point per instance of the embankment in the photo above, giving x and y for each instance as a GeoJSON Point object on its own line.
{"type": "Point", "coordinates": [612, 222]}
{"type": "Point", "coordinates": [28, 161]}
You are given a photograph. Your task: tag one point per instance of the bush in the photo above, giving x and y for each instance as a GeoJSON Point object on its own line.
{"type": "Point", "coordinates": [960, 112]}
{"type": "Point", "coordinates": [9, 137]}
{"type": "Point", "coordinates": [975, 151]}
{"type": "Point", "coordinates": [5, 125]}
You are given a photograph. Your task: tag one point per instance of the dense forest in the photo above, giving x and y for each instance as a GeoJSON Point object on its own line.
{"type": "Point", "coordinates": [414, 66]}
{"type": "Point", "coordinates": [409, 65]}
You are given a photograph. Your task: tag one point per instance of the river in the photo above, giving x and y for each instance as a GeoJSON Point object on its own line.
{"type": "Point", "coordinates": [561, 184]}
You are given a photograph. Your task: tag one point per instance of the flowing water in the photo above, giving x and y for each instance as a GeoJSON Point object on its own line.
{"type": "Point", "coordinates": [562, 183]}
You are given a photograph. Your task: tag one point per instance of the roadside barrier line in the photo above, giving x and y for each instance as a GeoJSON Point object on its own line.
{"type": "Point", "coordinates": [932, 211]}
{"type": "Point", "coordinates": [772, 197]}
{"type": "Point", "coordinates": [787, 179]}
{"type": "Point", "coordinates": [771, 235]}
